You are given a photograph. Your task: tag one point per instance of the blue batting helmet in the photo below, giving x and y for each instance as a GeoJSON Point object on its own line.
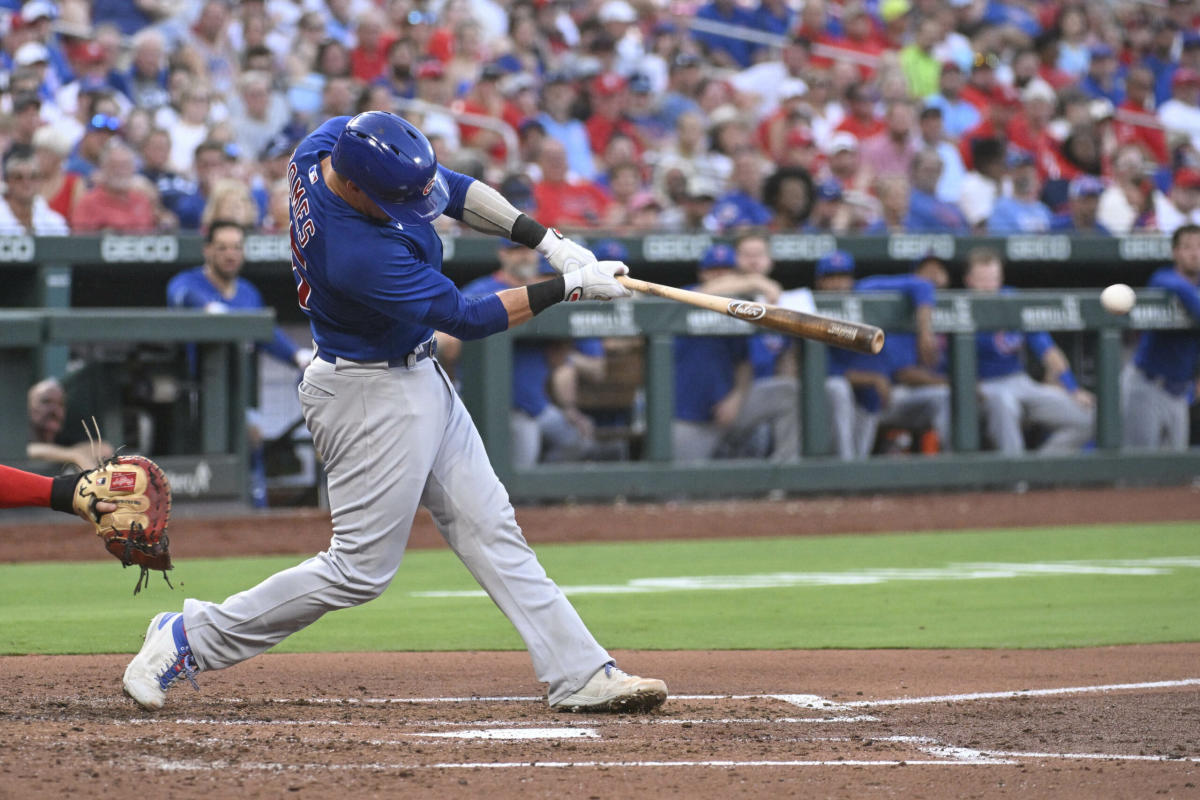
{"type": "Point", "coordinates": [394, 164]}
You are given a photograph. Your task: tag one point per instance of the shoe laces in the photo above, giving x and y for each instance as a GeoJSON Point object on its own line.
{"type": "Point", "coordinates": [183, 664]}
{"type": "Point", "coordinates": [612, 667]}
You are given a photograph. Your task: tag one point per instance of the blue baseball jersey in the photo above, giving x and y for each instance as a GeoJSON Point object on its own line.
{"type": "Point", "coordinates": [1172, 355]}
{"type": "Point", "coordinates": [900, 349]}
{"type": "Point", "coordinates": [705, 368]}
{"type": "Point", "coordinates": [531, 367]}
{"type": "Point", "coordinates": [999, 353]}
{"type": "Point", "coordinates": [373, 289]}
{"type": "Point", "coordinates": [193, 289]}
{"type": "Point", "coordinates": [765, 350]}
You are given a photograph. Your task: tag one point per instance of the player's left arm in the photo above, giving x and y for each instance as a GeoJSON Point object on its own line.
{"type": "Point", "coordinates": [484, 209]}
{"type": "Point", "coordinates": [1176, 284]}
{"type": "Point", "coordinates": [1058, 368]}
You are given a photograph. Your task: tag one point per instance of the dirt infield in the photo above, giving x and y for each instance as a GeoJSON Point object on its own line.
{"type": "Point", "coordinates": [739, 724]}
{"type": "Point", "coordinates": [1108, 722]}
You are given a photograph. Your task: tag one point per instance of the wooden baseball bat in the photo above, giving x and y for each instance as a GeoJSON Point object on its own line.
{"type": "Point", "coordinates": [849, 335]}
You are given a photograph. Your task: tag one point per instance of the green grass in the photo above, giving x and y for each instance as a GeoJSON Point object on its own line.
{"type": "Point", "coordinates": [87, 607]}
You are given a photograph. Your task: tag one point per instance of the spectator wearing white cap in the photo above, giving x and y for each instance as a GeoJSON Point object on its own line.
{"type": "Point", "coordinates": [37, 19]}
{"type": "Point", "coordinates": [61, 189]}
{"type": "Point", "coordinates": [145, 81]}
{"type": "Point", "coordinates": [1181, 204]}
{"type": "Point", "coordinates": [1181, 114]}
{"type": "Point", "coordinates": [619, 20]}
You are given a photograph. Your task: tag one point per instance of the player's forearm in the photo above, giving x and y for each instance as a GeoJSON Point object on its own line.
{"type": "Point", "coordinates": [487, 211]}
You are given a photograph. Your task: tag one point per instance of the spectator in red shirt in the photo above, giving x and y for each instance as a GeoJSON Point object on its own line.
{"type": "Point", "coordinates": [1134, 120]}
{"type": "Point", "coordinates": [368, 59]}
{"type": "Point", "coordinates": [114, 205]}
{"type": "Point", "coordinates": [982, 83]}
{"type": "Point", "coordinates": [566, 202]}
{"type": "Point", "coordinates": [609, 95]}
{"type": "Point", "coordinates": [1046, 46]}
{"type": "Point", "coordinates": [861, 120]}
{"type": "Point", "coordinates": [1002, 106]}
{"type": "Point", "coordinates": [486, 100]}
{"type": "Point", "coordinates": [1030, 130]}
{"type": "Point", "coordinates": [861, 38]}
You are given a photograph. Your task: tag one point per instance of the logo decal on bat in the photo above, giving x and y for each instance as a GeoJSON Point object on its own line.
{"type": "Point", "coordinates": [744, 310]}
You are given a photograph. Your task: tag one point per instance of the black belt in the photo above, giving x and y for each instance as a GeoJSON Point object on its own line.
{"type": "Point", "coordinates": [426, 349]}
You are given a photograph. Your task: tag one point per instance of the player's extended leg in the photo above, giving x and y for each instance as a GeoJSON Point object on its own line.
{"type": "Point", "coordinates": [693, 441]}
{"type": "Point", "coordinates": [842, 415]}
{"type": "Point", "coordinates": [472, 510]}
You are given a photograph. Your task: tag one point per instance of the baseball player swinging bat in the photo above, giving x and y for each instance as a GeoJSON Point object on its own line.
{"type": "Point", "coordinates": [849, 335]}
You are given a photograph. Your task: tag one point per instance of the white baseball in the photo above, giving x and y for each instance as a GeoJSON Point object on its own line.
{"type": "Point", "coordinates": [1118, 298]}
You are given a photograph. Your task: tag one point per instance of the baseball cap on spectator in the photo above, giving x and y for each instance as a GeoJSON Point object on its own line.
{"type": "Point", "coordinates": [430, 68]}
{"type": "Point", "coordinates": [1188, 178]}
{"type": "Point", "coordinates": [1020, 158]}
{"type": "Point", "coordinates": [1038, 89]}
{"type": "Point", "coordinates": [1101, 51]}
{"type": "Point", "coordinates": [701, 186]}
{"type": "Point", "coordinates": [1101, 108]}
{"type": "Point", "coordinates": [839, 262]}
{"type": "Point", "coordinates": [685, 60]}
{"type": "Point", "coordinates": [530, 124]}
{"type": "Point", "coordinates": [608, 84]}
{"type": "Point", "coordinates": [1182, 77]}
{"type": "Point", "coordinates": [800, 136]}
{"type": "Point", "coordinates": [842, 140]}
{"type": "Point", "coordinates": [88, 52]}
{"type": "Point", "coordinates": [893, 9]}
{"type": "Point", "coordinates": [31, 53]}
{"type": "Point", "coordinates": [718, 256]}
{"type": "Point", "coordinates": [829, 190]}
{"type": "Point", "coordinates": [610, 250]}
{"type": "Point", "coordinates": [930, 111]}
{"type": "Point", "coordinates": [516, 82]}
{"type": "Point", "coordinates": [557, 76]}
{"type": "Point", "coordinates": [492, 72]}
{"type": "Point", "coordinates": [639, 83]}
{"type": "Point", "coordinates": [1085, 186]}
{"type": "Point", "coordinates": [644, 199]}
{"type": "Point", "coordinates": [38, 9]}
{"type": "Point", "coordinates": [617, 11]}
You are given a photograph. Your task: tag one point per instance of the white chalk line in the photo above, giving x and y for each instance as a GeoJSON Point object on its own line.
{"type": "Point", "coordinates": [497, 723]}
{"type": "Point", "coordinates": [801, 700]}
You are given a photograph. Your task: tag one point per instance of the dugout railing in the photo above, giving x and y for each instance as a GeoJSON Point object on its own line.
{"type": "Point", "coordinates": [485, 374]}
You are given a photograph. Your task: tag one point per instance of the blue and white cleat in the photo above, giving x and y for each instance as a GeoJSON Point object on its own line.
{"type": "Point", "coordinates": [610, 689]}
{"type": "Point", "coordinates": [165, 657]}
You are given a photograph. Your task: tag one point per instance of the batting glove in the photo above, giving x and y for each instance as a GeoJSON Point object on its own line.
{"type": "Point", "coordinates": [596, 281]}
{"type": "Point", "coordinates": [563, 254]}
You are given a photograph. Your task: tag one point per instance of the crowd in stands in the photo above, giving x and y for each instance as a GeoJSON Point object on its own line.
{"type": "Point", "coordinates": [955, 116]}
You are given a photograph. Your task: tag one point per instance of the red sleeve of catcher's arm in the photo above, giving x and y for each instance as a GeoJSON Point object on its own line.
{"type": "Point", "coordinates": [19, 488]}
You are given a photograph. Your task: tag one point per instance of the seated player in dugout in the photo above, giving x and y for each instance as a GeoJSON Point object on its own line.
{"type": "Point", "coordinates": [545, 422]}
{"type": "Point", "coordinates": [716, 408]}
{"type": "Point", "coordinates": [1062, 411]}
{"type": "Point", "coordinates": [217, 286]}
{"type": "Point", "coordinates": [50, 441]}
{"type": "Point", "coordinates": [919, 400]}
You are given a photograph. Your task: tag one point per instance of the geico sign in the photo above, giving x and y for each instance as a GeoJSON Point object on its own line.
{"type": "Point", "coordinates": [16, 248]}
{"type": "Point", "coordinates": [118, 249]}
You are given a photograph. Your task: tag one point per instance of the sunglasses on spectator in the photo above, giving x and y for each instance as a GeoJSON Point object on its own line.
{"type": "Point", "coordinates": [103, 122]}
{"type": "Point", "coordinates": [990, 60]}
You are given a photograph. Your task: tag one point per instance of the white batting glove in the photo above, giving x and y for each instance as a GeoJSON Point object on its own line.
{"type": "Point", "coordinates": [596, 281]}
{"type": "Point", "coordinates": [563, 254]}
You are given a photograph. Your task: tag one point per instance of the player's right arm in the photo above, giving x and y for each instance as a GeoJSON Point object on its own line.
{"type": "Point", "coordinates": [1179, 286]}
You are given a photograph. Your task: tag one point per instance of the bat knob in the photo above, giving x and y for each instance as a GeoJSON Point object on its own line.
{"type": "Point", "coordinates": [876, 343]}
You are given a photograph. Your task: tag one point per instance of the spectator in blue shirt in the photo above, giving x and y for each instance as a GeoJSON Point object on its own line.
{"type": "Point", "coordinates": [958, 116]}
{"type": "Point", "coordinates": [742, 205]}
{"type": "Point", "coordinates": [1083, 200]}
{"type": "Point", "coordinates": [926, 213]}
{"type": "Point", "coordinates": [1010, 398]}
{"type": "Point", "coordinates": [1159, 385]}
{"type": "Point", "coordinates": [1023, 212]}
{"type": "Point", "coordinates": [558, 96]}
{"type": "Point", "coordinates": [725, 50]}
{"type": "Point", "coordinates": [217, 287]}
{"type": "Point", "coordinates": [1105, 76]}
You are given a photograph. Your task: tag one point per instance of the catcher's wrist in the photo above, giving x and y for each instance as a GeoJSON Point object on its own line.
{"type": "Point", "coordinates": [62, 492]}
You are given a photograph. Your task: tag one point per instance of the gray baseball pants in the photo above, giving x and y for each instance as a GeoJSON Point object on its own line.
{"type": "Point", "coordinates": [775, 400]}
{"type": "Point", "coordinates": [1011, 400]}
{"type": "Point", "coordinates": [919, 406]}
{"type": "Point", "coordinates": [1153, 417]}
{"type": "Point", "coordinates": [392, 439]}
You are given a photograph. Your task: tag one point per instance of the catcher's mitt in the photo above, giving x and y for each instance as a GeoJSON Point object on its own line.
{"type": "Point", "coordinates": [136, 533]}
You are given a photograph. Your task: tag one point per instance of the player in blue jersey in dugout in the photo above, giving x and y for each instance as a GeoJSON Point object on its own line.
{"type": "Point", "coordinates": [1159, 384]}
{"type": "Point", "coordinates": [217, 287]}
{"type": "Point", "coordinates": [1010, 399]}
{"type": "Point", "coordinates": [390, 429]}
{"type": "Point", "coordinates": [545, 422]}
